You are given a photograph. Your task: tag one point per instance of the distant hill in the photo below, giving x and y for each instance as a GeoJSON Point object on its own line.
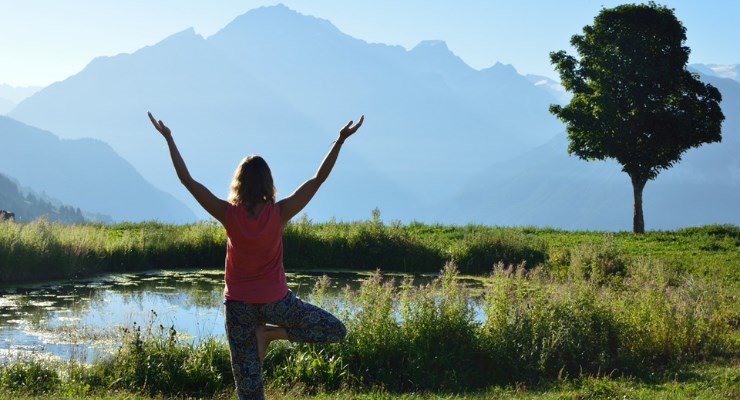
{"type": "Point", "coordinates": [85, 173]}
{"type": "Point", "coordinates": [5, 105]}
{"type": "Point", "coordinates": [10, 96]}
{"type": "Point", "coordinates": [281, 84]}
{"type": "Point", "coordinates": [30, 206]}
{"type": "Point", "coordinates": [17, 94]}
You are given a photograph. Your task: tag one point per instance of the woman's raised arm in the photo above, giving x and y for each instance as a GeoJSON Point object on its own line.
{"type": "Point", "coordinates": [212, 204]}
{"type": "Point", "coordinates": [293, 204]}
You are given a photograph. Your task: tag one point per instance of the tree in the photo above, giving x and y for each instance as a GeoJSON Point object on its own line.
{"type": "Point", "coordinates": [633, 98]}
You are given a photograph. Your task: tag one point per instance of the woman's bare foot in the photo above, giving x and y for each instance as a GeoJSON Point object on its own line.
{"type": "Point", "coordinates": [263, 342]}
{"type": "Point", "coordinates": [265, 335]}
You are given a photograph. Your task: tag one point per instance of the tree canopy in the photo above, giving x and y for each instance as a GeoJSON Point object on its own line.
{"type": "Point", "coordinates": [634, 100]}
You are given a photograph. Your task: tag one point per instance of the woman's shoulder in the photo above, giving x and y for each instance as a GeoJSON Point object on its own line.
{"type": "Point", "coordinates": [266, 211]}
{"type": "Point", "coordinates": [233, 213]}
{"type": "Point", "coordinates": [232, 208]}
{"type": "Point", "coordinates": [270, 211]}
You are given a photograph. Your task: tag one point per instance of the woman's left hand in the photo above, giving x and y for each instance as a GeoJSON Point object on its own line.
{"type": "Point", "coordinates": [349, 129]}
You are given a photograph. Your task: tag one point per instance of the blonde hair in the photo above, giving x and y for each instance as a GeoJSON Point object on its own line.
{"type": "Point", "coordinates": [252, 183]}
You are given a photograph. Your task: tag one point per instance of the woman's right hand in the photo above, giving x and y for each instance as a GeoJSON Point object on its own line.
{"type": "Point", "coordinates": [212, 204]}
{"type": "Point", "coordinates": [161, 127]}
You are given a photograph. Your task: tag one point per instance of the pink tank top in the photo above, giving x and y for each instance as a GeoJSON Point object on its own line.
{"type": "Point", "coordinates": [254, 256]}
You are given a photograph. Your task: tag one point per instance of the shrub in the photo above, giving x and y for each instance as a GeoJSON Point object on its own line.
{"type": "Point", "coordinates": [665, 318]}
{"type": "Point", "coordinates": [536, 329]}
{"type": "Point", "coordinates": [36, 377]}
{"type": "Point", "coordinates": [597, 262]}
{"type": "Point", "coordinates": [441, 336]}
{"type": "Point", "coordinates": [479, 251]}
{"type": "Point", "coordinates": [154, 361]}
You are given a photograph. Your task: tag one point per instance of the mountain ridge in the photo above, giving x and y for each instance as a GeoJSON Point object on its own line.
{"type": "Point", "coordinates": [31, 205]}
{"type": "Point", "coordinates": [284, 92]}
{"type": "Point", "coordinates": [84, 173]}
{"type": "Point", "coordinates": [280, 84]}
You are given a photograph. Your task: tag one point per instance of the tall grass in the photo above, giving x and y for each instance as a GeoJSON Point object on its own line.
{"type": "Point", "coordinates": [155, 361]}
{"type": "Point", "coordinates": [414, 248]}
{"type": "Point", "coordinates": [537, 325]}
{"type": "Point", "coordinates": [44, 250]}
{"type": "Point", "coordinates": [557, 306]}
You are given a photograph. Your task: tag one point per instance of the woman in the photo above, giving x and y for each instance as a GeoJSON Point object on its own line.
{"type": "Point", "coordinates": [256, 291]}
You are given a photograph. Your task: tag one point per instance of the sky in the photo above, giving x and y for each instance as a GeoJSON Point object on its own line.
{"type": "Point", "coordinates": [44, 41]}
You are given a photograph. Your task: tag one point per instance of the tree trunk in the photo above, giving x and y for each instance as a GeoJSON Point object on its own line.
{"type": "Point", "coordinates": [638, 222]}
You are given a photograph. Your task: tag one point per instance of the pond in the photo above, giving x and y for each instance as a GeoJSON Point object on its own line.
{"type": "Point", "coordinates": [84, 319]}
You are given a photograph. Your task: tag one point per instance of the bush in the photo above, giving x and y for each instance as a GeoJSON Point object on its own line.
{"type": "Point", "coordinates": [480, 251]}
{"type": "Point", "coordinates": [400, 338]}
{"type": "Point", "coordinates": [441, 336]}
{"type": "Point", "coordinates": [665, 318]}
{"type": "Point", "coordinates": [596, 262]}
{"type": "Point", "coordinates": [35, 377]}
{"type": "Point", "coordinates": [538, 329]}
{"type": "Point", "coordinates": [155, 362]}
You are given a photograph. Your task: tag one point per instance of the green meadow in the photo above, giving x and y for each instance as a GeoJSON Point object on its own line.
{"type": "Point", "coordinates": [43, 250]}
{"type": "Point", "coordinates": [560, 315]}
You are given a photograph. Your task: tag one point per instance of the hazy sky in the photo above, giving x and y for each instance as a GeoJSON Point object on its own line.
{"type": "Point", "coordinates": [43, 41]}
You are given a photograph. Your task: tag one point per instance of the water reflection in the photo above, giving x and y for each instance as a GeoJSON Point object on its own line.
{"type": "Point", "coordinates": [82, 320]}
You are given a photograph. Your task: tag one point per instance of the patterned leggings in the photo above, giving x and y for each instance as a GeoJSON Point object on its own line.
{"type": "Point", "coordinates": [304, 322]}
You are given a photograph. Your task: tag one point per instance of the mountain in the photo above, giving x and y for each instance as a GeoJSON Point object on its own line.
{"type": "Point", "coordinates": [11, 95]}
{"type": "Point", "coordinates": [719, 71]}
{"type": "Point", "coordinates": [553, 87]}
{"type": "Point", "coordinates": [546, 187]}
{"type": "Point", "coordinates": [83, 173]}
{"type": "Point", "coordinates": [31, 206]}
{"type": "Point", "coordinates": [281, 84]}
{"type": "Point", "coordinates": [16, 94]}
{"type": "Point", "coordinates": [5, 105]}
{"type": "Point", "coordinates": [442, 142]}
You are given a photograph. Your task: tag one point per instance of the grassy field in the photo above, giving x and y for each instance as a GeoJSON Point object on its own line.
{"type": "Point", "coordinates": [43, 250]}
{"type": "Point", "coordinates": [717, 381]}
{"type": "Point", "coordinates": [571, 315]}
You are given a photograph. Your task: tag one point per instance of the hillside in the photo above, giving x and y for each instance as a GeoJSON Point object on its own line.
{"type": "Point", "coordinates": [5, 105]}
{"type": "Point", "coordinates": [85, 173]}
{"type": "Point", "coordinates": [30, 206]}
{"type": "Point", "coordinates": [10, 96]}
